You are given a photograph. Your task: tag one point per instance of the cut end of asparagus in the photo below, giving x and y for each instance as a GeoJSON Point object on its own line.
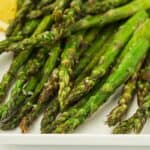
{"type": "Point", "coordinates": [24, 125]}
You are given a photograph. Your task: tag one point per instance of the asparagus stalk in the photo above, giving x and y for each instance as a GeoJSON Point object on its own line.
{"type": "Point", "coordinates": [28, 89]}
{"type": "Point", "coordinates": [66, 68]}
{"type": "Point", "coordinates": [70, 52]}
{"type": "Point", "coordinates": [122, 72]}
{"type": "Point", "coordinates": [48, 126]}
{"type": "Point", "coordinates": [31, 68]}
{"type": "Point", "coordinates": [126, 98]}
{"type": "Point", "coordinates": [42, 39]}
{"type": "Point", "coordinates": [105, 61]}
{"type": "Point", "coordinates": [14, 121]}
{"type": "Point", "coordinates": [88, 39]}
{"type": "Point", "coordinates": [19, 4]}
{"type": "Point", "coordinates": [30, 27]}
{"type": "Point", "coordinates": [110, 16]}
{"type": "Point", "coordinates": [45, 23]}
{"type": "Point", "coordinates": [15, 101]}
{"type": "Point", "coordinates": [7, 112]}
{"type": "Point", "coordinates": [27, 5]}
{"type": "Point", "coordinates": [92, 51]}
{"type": "Point", "coordinates": [136, 122]}
{"type": "Point", "coordinates": [52, 36]}
{"type": "Point", "coordinates": [102, 6]}
{"type": "Point", "coordinates": [87, 70]}
{"type": "Point", "coordinates": [16, 30]}
{"type": "Point", "coordinates": [48, 67]}
{"type": "Point", "coordinates": [61, 118]}
{"type": "Point", "coordinates": [143, 86]}
{"type": "Point", "coordinates": [48, 91]}
{"type": "Point", "coordinates": [27, 30]}
{"type": "Point", "coordinates": [4, 44]}
{"type": "Point", "coordinates": [9, 76]}
{"type": "Point", "coordinates": [71, 14]}
{"type": "Point", "coordinates": [55, 8]}
{"type": "Point", "coordinates": [44, 3]}
{"type": "Point", "coordinates": [19, 60]}
{"type": "Point", "coordinates": [50, 113]}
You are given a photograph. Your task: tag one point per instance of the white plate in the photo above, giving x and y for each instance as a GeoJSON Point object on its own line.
{"type": "Point", "coordinates": [93, 132]}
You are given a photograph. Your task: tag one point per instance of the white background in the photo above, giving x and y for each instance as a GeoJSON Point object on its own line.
{"type": "Point", "coordinates": [69, 148]}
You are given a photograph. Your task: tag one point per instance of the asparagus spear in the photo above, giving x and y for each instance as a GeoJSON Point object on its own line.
{"type": "Point", "coordinates": [136, 122]}
{"type": "Point", "coordinates": [70, 52]}
{"type": "Point", "coordinates": [143, 86]}
{"type": "Point", "coordinates": [87, 70]}
{"type": "Point", "coordinates": [70, 14]}
{"type": "Point", "coordinates": [48, 91]}
{"type": "Point", "coordinates": [28, 89]}
{"type": "Point", "coordinates": [27, 5]}
{"type": "Point", "coordinates": [27, 30]}
{"type": "Point", "coordinates": [123, 104]}
{"type": "Point", "coordinates": [31, 68]}
{"type": "Point", "coordinates": [17, 99]}
{"type": "Point", "coordinates": [30, 26]}
{"type": "Point", "coordinates": [48, 126]}
{"type": "Point", "coordinates": [19, 60]}
{"type": "Point", "coordinates": [15, 120]}
{"type": "Point", "coordinates": [50, 114]}
{"type": "Point", "coordinates": [118, 42]}
{"type": "Point", "coordinates": [102, 6]}
{"type": "Point", "coordinates": [4, 44]}
{"type": "Point", "coordinates": [44, 3]}
{"type": "Point", "coordinates": [66, 68]}
{"type": "Point", "coordinates": [48, 67]}
{"type": "Point", "coordinates": [122, 72]}
{"type": "Point", "coordinates": [45, 23]}
{"type": "Point", "coordinates": [19, 4]}
{"type": "Point", "coordinates": [51, 86]}
{"type": "Point", "coordinates": [42, 39]}
{"type": "Point", "coordinates": [92, 51]}
{"type": "Point", "coordinates": [55, 8]}
{"type": "Point", "coordinates": [88, 39]}
{"type": "Point", "coordinates": [137, 5]}
{"type": "Point", "coordinates": [110, 16]}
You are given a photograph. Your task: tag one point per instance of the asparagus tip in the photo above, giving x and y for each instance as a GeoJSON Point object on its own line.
{"type": "Point", "coordinates": [115, 115]}
{"type": "Point", "coordinates": [124, 127]}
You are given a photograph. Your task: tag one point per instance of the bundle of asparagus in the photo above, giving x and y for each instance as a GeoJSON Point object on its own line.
{"type": "Point", "coordinates": [69, 58]}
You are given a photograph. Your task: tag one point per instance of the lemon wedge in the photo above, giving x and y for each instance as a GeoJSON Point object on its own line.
{"type": "Point", "coordinates": [7, 13]}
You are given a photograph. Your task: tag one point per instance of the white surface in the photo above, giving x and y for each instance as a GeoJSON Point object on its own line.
{"type": "Point", "coordinates": [92, 132]}
{"type": "Point", "coordinates": [71, 148]}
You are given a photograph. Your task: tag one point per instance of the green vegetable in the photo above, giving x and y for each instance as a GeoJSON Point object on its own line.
{"type": "Point", "coordinates": [137, 49]}
{"type": "Point", "coordinates": [68, 59]}
{"type": "Point", "coordinates": [111, 16]}
{"type": "Point", "coordinates": [102, 6]}
{"type": "Point", "coordinates": [105, 61]}
{"type": "Point", "coordinates": [124, 102]}
{"type": "Point", "coordinates": [45, 96]}
{"type": "Point", "coordinates": [136, 122]}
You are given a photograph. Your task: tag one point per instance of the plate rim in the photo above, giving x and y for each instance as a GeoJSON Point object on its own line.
{"type": "Point", "coordinates": [75, 140]}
